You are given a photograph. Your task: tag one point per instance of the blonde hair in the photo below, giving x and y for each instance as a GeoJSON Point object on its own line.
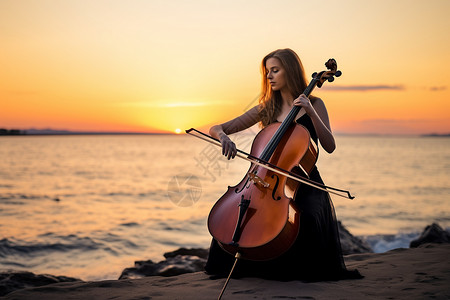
{"type": "Point", "coordinates": [271, 101]}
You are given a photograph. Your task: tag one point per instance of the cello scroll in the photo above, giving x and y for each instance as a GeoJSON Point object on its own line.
{"type": "Point", "coordinates": [327, 75]}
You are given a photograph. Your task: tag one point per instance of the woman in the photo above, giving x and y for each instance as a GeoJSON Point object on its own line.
{"type": "Point", "coordinates": [316, 254]}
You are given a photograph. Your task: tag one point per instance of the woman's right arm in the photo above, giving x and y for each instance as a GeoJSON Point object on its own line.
{"type": "Point", "coordinates": [240, 123]}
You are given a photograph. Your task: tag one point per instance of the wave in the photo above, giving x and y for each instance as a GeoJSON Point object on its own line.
{"type": "Point", "coordinates": [20, 199]}
{"type": "Point", "coordinates": [50, 244]}
{"type": "Point", "coordinates": [13, 247]}
{"type": "Point", "coordinates": [384, 242]}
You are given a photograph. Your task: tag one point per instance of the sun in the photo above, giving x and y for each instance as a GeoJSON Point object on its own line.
{"type": "Point", "coordinates": [178, 131]}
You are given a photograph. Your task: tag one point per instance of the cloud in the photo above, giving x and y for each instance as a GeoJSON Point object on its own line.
{"type": "Point", "coordinates": [438, 88]}
{"type": "Point", "coordinates": [364, 88]}
{"type": "Point", "coordinates": [169, 104]}
{"type": "Point", "coordinates": [392, 121]}
{"type": "Point", "coordinates": [396, 126]}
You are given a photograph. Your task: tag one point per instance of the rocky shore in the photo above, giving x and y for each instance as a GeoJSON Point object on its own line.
{"type": "Point", "coordinates": [193, 260]}
{"type": "Point", "coordinates": [422, 269]}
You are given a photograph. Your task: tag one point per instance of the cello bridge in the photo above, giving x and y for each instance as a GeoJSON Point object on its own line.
{"type": "Point", "coordinates": [257, 180]}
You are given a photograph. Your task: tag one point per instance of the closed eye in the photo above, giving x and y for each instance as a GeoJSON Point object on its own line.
{"type": "Point", "coordinates": [273, 71]}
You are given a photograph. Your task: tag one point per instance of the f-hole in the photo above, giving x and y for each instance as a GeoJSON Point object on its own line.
{"type": "Point", "coordinates": [275, 187]}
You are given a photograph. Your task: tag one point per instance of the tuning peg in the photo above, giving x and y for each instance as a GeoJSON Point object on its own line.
{"type": "Point", "coordinates": [330, 79]}
{"type": "Point", "coordinates": [314, 75]}
{"type": "Point", "coordinates": [338, 73]}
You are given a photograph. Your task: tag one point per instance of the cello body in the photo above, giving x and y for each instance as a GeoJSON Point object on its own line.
{"type": "Point", "coordinates": [258, 217]}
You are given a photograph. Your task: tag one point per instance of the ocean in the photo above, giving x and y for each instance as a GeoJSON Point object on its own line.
{"type": "Point", "coordinates": [88, 206]}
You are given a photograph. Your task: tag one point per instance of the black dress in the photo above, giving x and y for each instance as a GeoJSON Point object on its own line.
{"type": "Point", "coordinates": [316, 254]}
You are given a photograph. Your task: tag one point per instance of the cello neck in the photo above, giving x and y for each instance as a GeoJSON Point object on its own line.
{"type": "Point", "coordinates": [290, 118]}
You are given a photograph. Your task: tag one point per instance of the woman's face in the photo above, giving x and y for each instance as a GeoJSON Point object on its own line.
{"type": "Point", "coordinates": [276, 74]}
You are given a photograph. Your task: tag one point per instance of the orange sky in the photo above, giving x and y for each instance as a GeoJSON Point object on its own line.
{"type": "Point", "coordinates": [162, 65]}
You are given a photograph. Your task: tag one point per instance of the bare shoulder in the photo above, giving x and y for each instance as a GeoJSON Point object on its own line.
{"type": "Point", "coordinates": [319, 107]}
{"type": "Point", "coordinates": [318, 103]}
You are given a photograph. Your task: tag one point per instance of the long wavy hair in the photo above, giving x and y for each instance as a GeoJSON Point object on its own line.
{"type": "Point", "coordinates": [271, 101]}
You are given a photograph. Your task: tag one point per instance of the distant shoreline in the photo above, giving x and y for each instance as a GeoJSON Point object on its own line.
{"type": "Point", "coordinates": [48, 132]}
{"type": "Point", "coordinates": [436, 135]}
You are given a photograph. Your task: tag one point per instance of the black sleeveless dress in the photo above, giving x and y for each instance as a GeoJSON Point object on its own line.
{"type": "Point", "coordinates": [316, 254]}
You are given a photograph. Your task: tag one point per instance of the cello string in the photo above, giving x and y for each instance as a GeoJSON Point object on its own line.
{"type": "Point", "coordinates": [275, 140]}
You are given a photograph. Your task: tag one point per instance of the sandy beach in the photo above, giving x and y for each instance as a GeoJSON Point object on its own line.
{"type": "Point", "coordinates": [414, 273]}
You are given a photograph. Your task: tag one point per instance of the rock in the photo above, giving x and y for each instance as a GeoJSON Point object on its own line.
{"type": "Point", "coordinates": [432, 234]}
{"type": "Point", "coordinates": [172, 266]}
{"type": "Point", "coordinates": [351, 244]}
{"type": "Point", "coordinates": [199, 252]}
{"type": "Point", "coordinates": [16, 280]}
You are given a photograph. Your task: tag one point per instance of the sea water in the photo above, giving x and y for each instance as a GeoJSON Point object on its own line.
{"type": "Point", "coordinates": [89, 206]}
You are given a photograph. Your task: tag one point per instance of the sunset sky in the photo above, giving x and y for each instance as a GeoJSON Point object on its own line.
{"type": "Point", "coordinates": [158, 66]}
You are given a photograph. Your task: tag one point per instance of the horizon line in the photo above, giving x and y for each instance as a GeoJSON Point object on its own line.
{"type": "Point", "coordinates": [49, 131]}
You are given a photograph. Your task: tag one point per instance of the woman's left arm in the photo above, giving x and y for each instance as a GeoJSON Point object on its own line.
{"type": "Point", "coordinates": [319, 116]}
